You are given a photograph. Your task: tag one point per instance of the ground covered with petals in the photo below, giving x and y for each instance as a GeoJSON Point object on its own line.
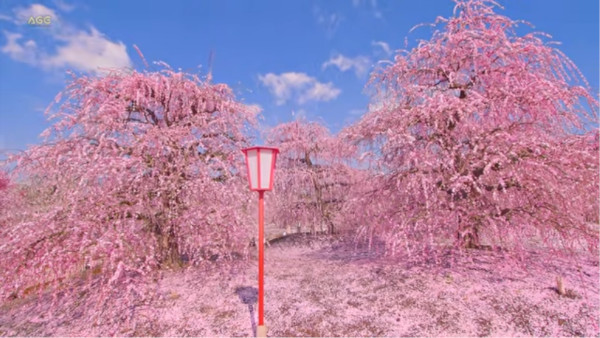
{"type": "Point", "coordinates": [318, 287]}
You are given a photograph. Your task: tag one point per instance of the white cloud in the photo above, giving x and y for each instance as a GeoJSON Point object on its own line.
{"type": "Point", "coordinates": [299, 114]}
{"type": "Point", "coordinates": [357, 112]}
{"type": "Point", "coordinates": [304, 88]}
{"type": "Point", "coordinates": [384, 46]}
{"type": "Point", "coordinates": [282, 86]}
{"type": "Point", "coordinates": [63, 6]}
{"type": "Point", "coordinates": [320, 92]}
{"type": "Point", "coordinates": [89, 52]}
{"type": "Point", "coordinates": [25, 52]}
{"type": "Point", "coordinates": [77, 49]}
{"type": "Point", "coordinates": [360, 64]}
{"type": "Point", "coordinates": [23, 14]}
{"type": "Point", "coordinates": [330, 22]}
{"type": "Point", "coordinates": [371, 4]}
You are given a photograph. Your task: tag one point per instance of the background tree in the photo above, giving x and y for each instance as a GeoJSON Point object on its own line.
{"type": "Point", "coordinates": [482, 137]}
{"type": "Point", "coordinates": [313, 175]}
{"type": "Point", "coordinates": [142, 170]}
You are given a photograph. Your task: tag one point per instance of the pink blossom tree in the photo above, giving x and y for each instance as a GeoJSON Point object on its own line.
{"type": "Point", "coordinates": [141, 171]}
{"type": "Point", "coordinates": [313, 175]}
{"type": "Point", "coordinates": [482, 139]}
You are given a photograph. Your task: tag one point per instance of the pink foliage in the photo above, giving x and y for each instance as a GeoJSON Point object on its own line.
{"type": "Point", "coordinates": [138, 171]}
{"type": "Point", "coordinates": [4, 181]}
{"type": "Point", "coordinates": [313, 176]}
{"type": "Point", "coordinates": [481, 140]}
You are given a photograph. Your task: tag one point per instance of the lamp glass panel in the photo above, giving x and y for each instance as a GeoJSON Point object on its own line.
{"type": "Point", "coordinates": [253, 168]}
{"type": "Point", "coordinates": [266, 159]}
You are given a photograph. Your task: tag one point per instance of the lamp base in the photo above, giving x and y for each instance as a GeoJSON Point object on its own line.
{"type": "Point", "coordinates": [261, 331]}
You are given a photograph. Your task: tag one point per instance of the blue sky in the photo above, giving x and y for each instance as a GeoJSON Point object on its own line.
{"type": "Point", "coordinates": [293, 58]}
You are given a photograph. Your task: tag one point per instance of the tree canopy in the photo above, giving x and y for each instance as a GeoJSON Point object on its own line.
{"type": "Point", "coordinates": [141, 170]}
{"type": "Point", "coordinates": [481, 136]}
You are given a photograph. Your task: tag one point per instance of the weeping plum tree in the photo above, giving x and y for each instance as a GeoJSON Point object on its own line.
{"type": "Point", "coordinates": [312, 175]}
{"type": "Point", "coordinates": [482, 138]}
{"type": "Point", "coordinates": [142, 171]}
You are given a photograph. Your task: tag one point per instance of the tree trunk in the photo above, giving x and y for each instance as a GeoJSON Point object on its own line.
{"type": "Point", "coordinates": [318, 191]}
{"type": "Point", "coordinates": [167, 253]}
{"type": "Point", "coordinates": [468, 235]}
{"type": "Point", "coordinates": [330, 227]}
{"type": "Point", "coordinates": [168, 249]}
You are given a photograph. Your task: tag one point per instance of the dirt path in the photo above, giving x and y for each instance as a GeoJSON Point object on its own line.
{"type": "Point", "coordinates": [316, 291]}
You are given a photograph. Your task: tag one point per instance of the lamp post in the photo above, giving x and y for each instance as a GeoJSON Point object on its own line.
{"type": "Point", "coordinates": [260, 162]}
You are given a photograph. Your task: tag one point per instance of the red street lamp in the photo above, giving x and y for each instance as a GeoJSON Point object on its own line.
{"type": "Point", "coordinates": [260, 162]}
